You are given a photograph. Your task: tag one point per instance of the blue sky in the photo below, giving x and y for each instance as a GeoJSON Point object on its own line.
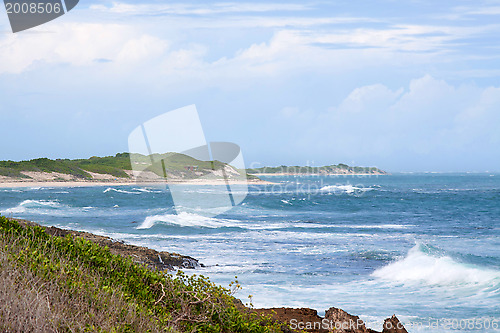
{"type": "Point", "coordinates": [402, 85]}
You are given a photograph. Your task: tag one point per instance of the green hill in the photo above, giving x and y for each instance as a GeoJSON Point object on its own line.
{"type": "Point", "coordinates": [112, 165]}
{"type": "Point", "coordinates": [175, 165]}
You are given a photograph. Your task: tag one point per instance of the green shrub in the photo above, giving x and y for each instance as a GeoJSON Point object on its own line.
{"type": "Point", "coordinates": [93, 275]}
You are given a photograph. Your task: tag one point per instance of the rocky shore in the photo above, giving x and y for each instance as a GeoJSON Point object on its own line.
{"type": "Point", "coordinates": [297, 319]}
{"type": "Point", "coordinates": [139, 254]}
{"type": "Point", "coordinates": [335, 320]}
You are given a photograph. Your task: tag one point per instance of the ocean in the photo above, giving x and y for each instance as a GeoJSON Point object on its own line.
{"type": "Point", "coordinates": [425, 247]}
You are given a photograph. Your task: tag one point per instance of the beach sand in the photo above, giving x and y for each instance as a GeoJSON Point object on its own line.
{"type": "Point", "coordinates": [72, 183]}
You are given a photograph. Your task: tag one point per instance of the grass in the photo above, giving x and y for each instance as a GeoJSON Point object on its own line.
{"type": "Point", "coordinates": [116, 165]}
{"type": "Point", "coordinates": [11, 168]}
{"type": "Point", "coordinates": [69, 284]}
{"type": "Point", "coordinates": [113, 165]}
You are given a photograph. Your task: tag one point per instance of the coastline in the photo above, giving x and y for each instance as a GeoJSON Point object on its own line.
{"type": "Point", "coordinates": [290, 320]}
{"type": "Point", "coordinates": [73, 183]}
{"type": "Point", "coordinates": [316, 174]}
{"type": "Point", "coordinates": [139, 254]}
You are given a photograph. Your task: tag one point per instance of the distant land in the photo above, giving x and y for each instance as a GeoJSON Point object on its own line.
{"type": "Point", "coordinates": [175, 167]}
{"type": "Point", "coordinates": [334, 169]}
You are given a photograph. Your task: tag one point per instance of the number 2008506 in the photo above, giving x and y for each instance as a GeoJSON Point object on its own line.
{"type": "Point", "coordinates": [33, 8]}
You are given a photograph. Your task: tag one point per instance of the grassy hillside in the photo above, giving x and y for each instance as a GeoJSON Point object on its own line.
{"type": "Point", "coordinates": [113, 165]}
{"type": "Point", "coordinates": [175, 164]}
{"type": "Point", "coordinates": [69, 284]}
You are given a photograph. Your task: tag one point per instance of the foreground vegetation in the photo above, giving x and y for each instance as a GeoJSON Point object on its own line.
{"type": "Point", "coordinates": [69, 284]}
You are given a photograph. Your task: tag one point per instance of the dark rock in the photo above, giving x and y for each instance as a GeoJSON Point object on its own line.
{"type": "Point", "coordinates": [294, 320]}
{"type": "Point", "coordinates": [303, 319]}
{"type": "Point", "coordinates": [393, 325]}
{"type": "Point", "coordinates": [139, 254]}
{"type": "Point", "coordinates": [344, 322]}
{"type": "Point", "coordinates": [336, 320]}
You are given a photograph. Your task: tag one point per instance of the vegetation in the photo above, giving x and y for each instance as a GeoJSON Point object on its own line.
{"type": "Point", "coordinates": [68, 284]}
{"type": "Point", "coordinates": [178, 165]}
{"type": "Point", "coordinates": [113, 165]}
{"type": "Point", "coordinates": [310, 170]}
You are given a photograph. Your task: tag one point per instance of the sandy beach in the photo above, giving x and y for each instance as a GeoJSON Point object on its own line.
{"type": "Point", "coordinates": [27, 183]}
{"type": "Point", "coordinates": [281, 174]}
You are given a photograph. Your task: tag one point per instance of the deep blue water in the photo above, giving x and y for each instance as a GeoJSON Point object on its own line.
{"type": "Point", "coordinates": [426, 246]}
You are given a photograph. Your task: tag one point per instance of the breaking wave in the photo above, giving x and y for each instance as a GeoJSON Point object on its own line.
{"type": "Point", "coordinates": [30, 205]}
{"type": "Point", "coordinates": [184, 219]}
{"type": "Point", "coordinates": [348, 188]}
{"type": "Point", "coordinates": [420, 266]}
{"type": "Point", "coordinates": [120, 191]}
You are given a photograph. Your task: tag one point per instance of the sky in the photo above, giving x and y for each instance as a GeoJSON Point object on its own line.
{"type": "Point", "coordinates": [400, 85]}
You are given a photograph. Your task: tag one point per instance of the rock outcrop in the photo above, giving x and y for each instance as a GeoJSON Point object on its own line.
{"type": "Point", "coordinates": [344, 322]}
{"type": "Point", "coordinates": [335, 320]}
{"type": "Point", "coordinates": [393, 325]}
{"type": "Point", "coordinates": [296, 320]}
{"type": "Point", "coordinates": [139, 254]}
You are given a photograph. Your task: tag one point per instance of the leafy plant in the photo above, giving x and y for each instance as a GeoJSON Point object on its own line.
{"type": "Point", "coordinates": [105, 285]}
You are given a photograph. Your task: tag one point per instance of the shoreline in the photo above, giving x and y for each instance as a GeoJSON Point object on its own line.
{"type": "Point", "coordinates": [317, 174]}
{"type": "Point", "coordinates": [296, 319]}
{"type": "Point", "coordinates": [143, 255]}
{"type": "Point", "coordinates": [34, 183]}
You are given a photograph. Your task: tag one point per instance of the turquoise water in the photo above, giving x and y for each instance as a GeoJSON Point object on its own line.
{"type": "Point", "coordinates": [426, 246]}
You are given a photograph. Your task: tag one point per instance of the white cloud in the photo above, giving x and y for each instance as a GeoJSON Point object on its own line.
{"type": "Point", "coordinates": [478, 10]}
{"type": "Point", "coordinates": [429, 121]}
{"type": "Point", "coordinates": [197, 9]}
{"type": "Point", "coordinates": [78, 44]}
{"type": "Point", "coordinates": [298, 44]}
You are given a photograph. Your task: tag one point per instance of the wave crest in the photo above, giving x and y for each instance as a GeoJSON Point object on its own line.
{"type": "Point", "coordinates": [348, 188]}
{"type": "Point", "coordinates": [27, 205]}
{"type": "Point", "coordinates": [185, 219]}
{"type": "Point", "coordinates": [421, 267]}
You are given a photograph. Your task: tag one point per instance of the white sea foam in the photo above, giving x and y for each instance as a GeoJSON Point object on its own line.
{"type": "Point", "coordinates": [372, 226]}
{"type": "Point", "coordinates": [146, 190]}
{"type": "Point", "coordinates": [28, 205]}
{"type": "Point", "coordinates": [186, 220]}
{"type": "Point", "coordinates": [421, 267]}
{"type": "Point", "coordinates": [119, 191]}
{"type": "Point", "coordinates": [348, 188]}
{"type": "Point", "coordinates": [50, 207]}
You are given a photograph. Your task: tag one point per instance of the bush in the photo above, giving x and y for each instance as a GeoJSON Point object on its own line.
{"type": "Point", "coordinates": [79, 285]}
